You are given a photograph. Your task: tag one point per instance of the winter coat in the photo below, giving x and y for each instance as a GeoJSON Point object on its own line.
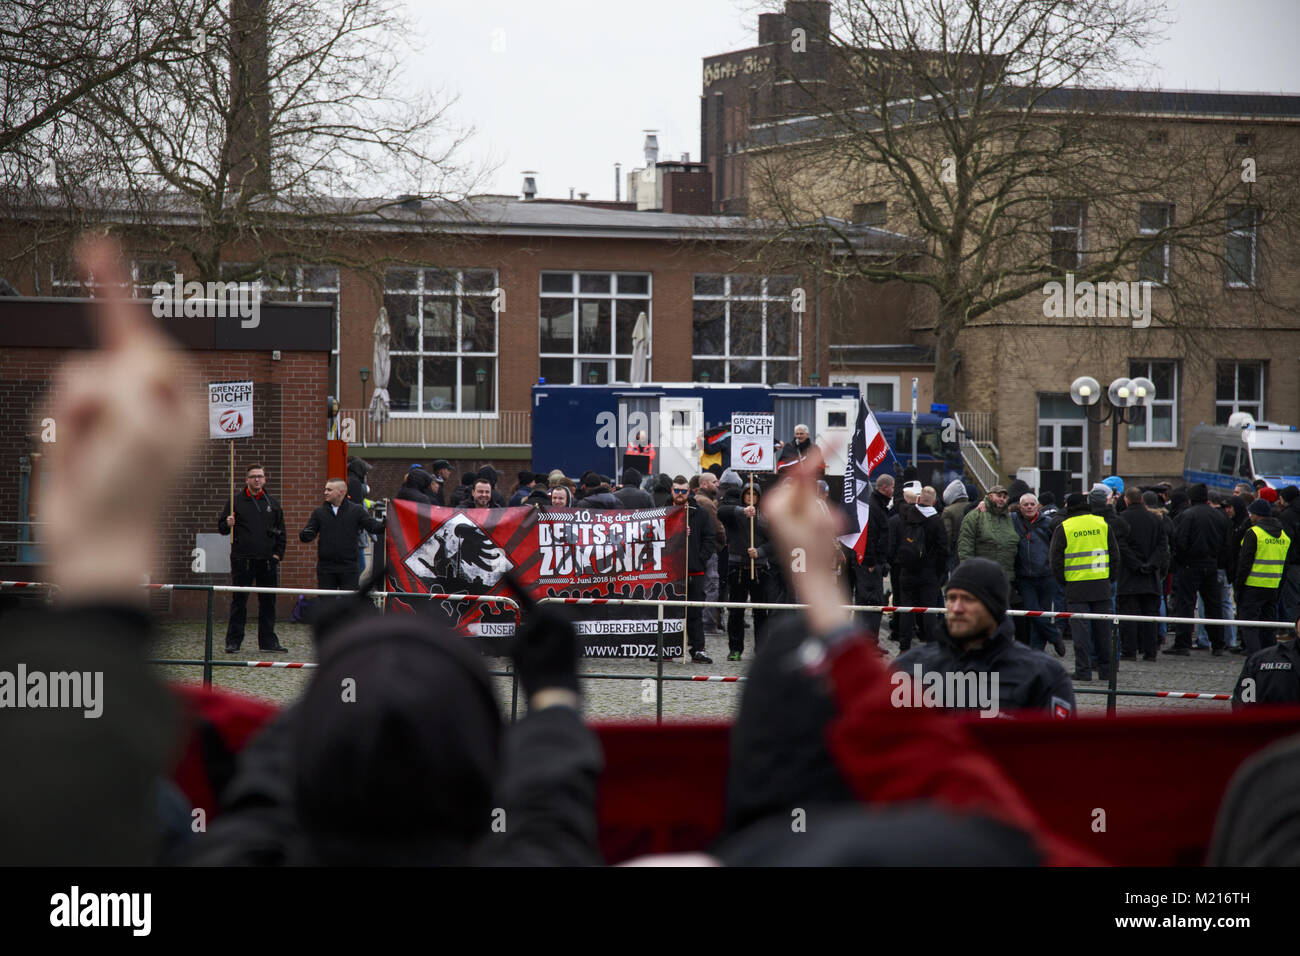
{"type": "Point", "coordinates": [701, 544]}
{"type": "Point", "coordinates": [259, 526]}
{"type": "Point", "coordinates": [1275, 672]}
{"type": "Point", "coordinates": [1034, 553]}
{"type": "Point", "coordinates": [733, 518]}
{"type": "Point", "coordinates": [1246, 551]}
{"type": "Point", "coordinates": [930, 533]}
{"type": "Point", "coordinates": [337, 548]}
{"type": "Point", "coordinates": [988, 534]}
{"type": "Point", "coordinates": [1144, 552]}
{"type": "Point", "coordinates": [634, 498]}
{"type": "Point", "coordinates": [952, 516]}
{"type": "Point", "coordinates": [1199, 535]}
{"type": "Point", "coordinates": [1027, 679]}
{"type": "Point", "coordinates": [1081, 591]}
{"type": "Point", "coordinates": [1290, 518]}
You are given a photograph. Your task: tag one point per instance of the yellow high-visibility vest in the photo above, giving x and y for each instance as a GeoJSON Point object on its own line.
{"type": "Point", "coordinates": [1270, 558]}
{"type": "Point", "coordinates": [1087, 548]}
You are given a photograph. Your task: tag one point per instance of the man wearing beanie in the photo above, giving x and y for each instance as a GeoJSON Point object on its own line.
{"type": "Point", "coordinates": [1085, 560]}
{"type": "Point", "coordinates": [630, 493]}
{"type": "Point", "coordinates": [1261, 563]}
{"type": "Point", "coordinates": [1200, 533]}
{"type": "Point", "coordinates": [1289, 501]}
{"type": "Point", "coordinates": [976, 637]}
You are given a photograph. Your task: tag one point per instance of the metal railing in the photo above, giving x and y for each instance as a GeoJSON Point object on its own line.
{"type": "Point", "coordinates": [978, 425]}
{"type": "Point", "coordinates": [510, 428]}
{"type": "Point", "coordinates": [1112, 692]}
{"type": "Point", "coordinates": [20, 541]}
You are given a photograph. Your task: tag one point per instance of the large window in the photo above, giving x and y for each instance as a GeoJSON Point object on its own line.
{"type": "Point", "coordinates": [745, 330]}
{"type": "Point", "coordinates": [1067, 234]}
{"type": "Point", "coordinates": [66, 280]}
{"type": "Point", "coordinates": [1242, 246]}
{"type": "Point", "coordinates": [586, 321]}
{"type": "Point", "coordinates": [444, 345]}
{"type": "Point", "coordinates": [308, 283]}
{"type": "Point", "coordinates": [1153, 217]}
{"type": "Point", "coordinates": [1238, 387]}
{"type": "Point", "coordinates": [1159, 425]}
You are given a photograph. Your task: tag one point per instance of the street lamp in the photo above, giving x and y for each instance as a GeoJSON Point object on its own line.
{"type": "Point", "coordinates": [365, 377]}
{"type": "Point", "coordinates": [480, 376]}
{"type": "Point", "coordinates": [1126, 401]}
{"type": "Point", "coordinates": [592, 376]}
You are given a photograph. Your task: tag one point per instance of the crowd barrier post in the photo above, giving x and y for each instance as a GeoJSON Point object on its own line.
{"type": "Point", "coordinates": [1112, 682]}
{"type": "Point", "coordinates": [514, 694]}
{"type": "Point", "coordinates": [659, 667]}
{"type": "Point", "coordinates": [207, 641]}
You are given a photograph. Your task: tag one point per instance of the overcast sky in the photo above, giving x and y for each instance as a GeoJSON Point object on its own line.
{"type": "Point", "coordinates": [566, 87]}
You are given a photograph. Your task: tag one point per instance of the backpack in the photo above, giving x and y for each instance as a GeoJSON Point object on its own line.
{"type": "Point", "coordinates": [911, 547]}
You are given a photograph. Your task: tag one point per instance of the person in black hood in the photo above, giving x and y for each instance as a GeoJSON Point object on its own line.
{"type": "Point", "coordinates": [463, 494]}
{"type": "Point", "coordinates": [920, 548]}
{"type": "Point", "coordinates": [596, 493]}
{"type": "Point", "coordinates": [630, 494]}
{"type": "Point", "coordinates": [395, 755]}
{"type": "Point", "coordinates": [1178, 503]}
{"type": "Point", "coordinates": [1199, 535]}
{"type": "Point", "coordinates": [416, 486]}
{"type": "Point", "coordinates": [358, 490]}
{"type": "Point", "coordinates": [1261, 566]}
{"type": "Point", "coordinates": [976, 638]}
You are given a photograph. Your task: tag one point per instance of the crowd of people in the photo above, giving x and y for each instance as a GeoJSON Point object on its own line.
{"type": "Point", "coordinates": [397, 752]}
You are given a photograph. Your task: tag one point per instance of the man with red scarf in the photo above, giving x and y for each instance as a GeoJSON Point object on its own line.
{"type": "Point", "coordinates": [258, 524]}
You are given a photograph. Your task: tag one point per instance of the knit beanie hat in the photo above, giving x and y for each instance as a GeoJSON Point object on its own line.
{"type": "Point", "coordinates": [1261, 507]}
{"type": "Point", "coordinates": [1098, 495]}
{"type": "Point", "coordinates": [1268, 494]}
{"type": "Point", "coordinates": [1290, 493]}
{"type": "Point", "coordinates": [987, 581]}
{"type": "Point", "coordinates": [1198, 494]}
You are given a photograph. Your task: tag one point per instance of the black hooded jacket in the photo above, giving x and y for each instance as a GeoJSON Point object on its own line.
{"type": "Point", "coordinates": [878, 531]}
{"type": "Point", "coordinates": [412, 769]}
{"type": "Point", "coordinates": [1199, 536]}
{"type": "Point", "coordinates": [1027, 679]}
{"type": "Point", "coordinates": [1245, 556]}
{"type": "Point", "coordinates": [357, 488]}
{"type": "Point", "coordinates": [416, 487]}
{"type": "Point", "coordinates": [929, 532]}
{"type": "Point", "coordinates": [1290, 518]}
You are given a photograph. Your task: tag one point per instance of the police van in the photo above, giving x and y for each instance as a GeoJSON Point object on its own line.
{"type": "Point", "coordinates": [1220, 456]}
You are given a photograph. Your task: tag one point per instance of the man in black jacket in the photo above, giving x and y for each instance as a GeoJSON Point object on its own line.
{"type": "Point", "coordinates": [920, 557]}
{"type": "Point", "coordinates": [1085, 560]}
{"type": "Point", "coordinates": [1144, 556]}
{"type": "Point", "coordinates": [1261, 564]}
{"type": "Point", "coordinates": [976, 639]}
{"type": "Point", "coordinates": [338, 522]}
{"type": "Point", "coordinates": [630, 494]}
{"type": "Point", "coordinates": [255, 555]}
{"type": "Point", "coordinates": [735, 514]}
{"type": "Point", "coordinates": [700, 545]}
{"type": "Point", "coordinates": [1199, 535]}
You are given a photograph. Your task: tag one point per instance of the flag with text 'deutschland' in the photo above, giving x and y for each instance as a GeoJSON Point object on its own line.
{"type": "Point", "coordinates": [866, 451]}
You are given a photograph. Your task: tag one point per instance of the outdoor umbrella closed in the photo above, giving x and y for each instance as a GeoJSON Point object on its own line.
{"type": "Point", "coordinates": [382, 366]}
{"type": "Point", "coordinates": [640, 350]}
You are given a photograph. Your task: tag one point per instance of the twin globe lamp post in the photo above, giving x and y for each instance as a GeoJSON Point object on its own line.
{"type": "Point", "coordinates": [1125, 403]}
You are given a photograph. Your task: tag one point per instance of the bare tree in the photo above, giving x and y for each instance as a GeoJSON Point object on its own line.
{"type": "Point", "coordinates": [284, 124]}
{"type": "Point", "coordinates": [988, 131]}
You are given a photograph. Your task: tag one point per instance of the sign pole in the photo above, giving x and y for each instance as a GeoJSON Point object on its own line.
{"type": "Point", "coordinates": [232, 492]}
{"type": "Point", "coordinates": [686, 583]}
{"type": "Point", "coordinates": [751, 525]}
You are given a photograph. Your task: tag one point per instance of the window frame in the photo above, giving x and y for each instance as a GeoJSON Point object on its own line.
{"type": "Point", "coordinates": [575, 295]}
{"type": "Point", "coordinates": [1234, 404]}
{"type": "Point", "coordinates": [1078, 229]}
{"type": "Point", "coordinates": [421, 294]}
{"type": "Point", "coordinates": [1146, 369]}
{"type": "Point", "coordinates": [1165, 248]}
{"type": "Point", "coordinates": [763, 299]}
{"type": "Point", "coordinates": [1250, 235]}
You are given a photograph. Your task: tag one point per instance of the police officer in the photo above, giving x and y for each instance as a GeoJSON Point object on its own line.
{"type": "Point", "coordinates": [1261, 562]}
{"type": "Point", "coordinates": [258, 525]}
{"type": "Point", "coordinates": [1085, 559]}
{"type": "Point", "coordinates": [1271, 676]}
